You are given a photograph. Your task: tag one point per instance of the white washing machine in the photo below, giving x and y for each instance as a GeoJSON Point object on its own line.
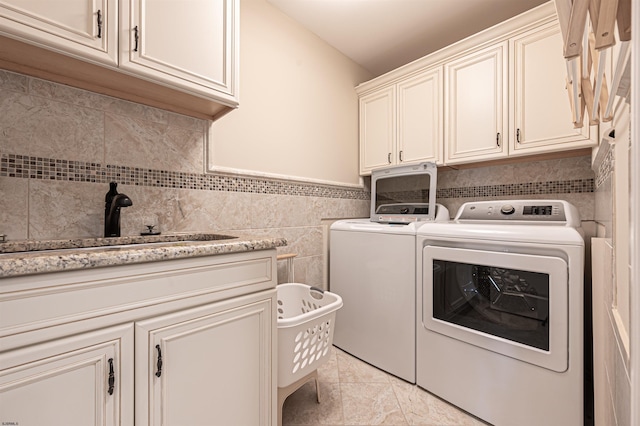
{"type": "Point", "coordinates": [372, 267]}
{"type": "Point", "coordinates": [500, 302]}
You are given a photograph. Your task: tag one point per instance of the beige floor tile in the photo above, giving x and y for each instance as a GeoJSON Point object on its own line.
{"type": "Point", "coordinates": [352, 370]}
{"type": "Point", "coordinates": [425, 409]}
{"type": "Point", "coordinates": [355, 393]}
{"type": "Point", "coordinates": [370, 404]}
{"type": "Point", "coordinates": [302, 408]}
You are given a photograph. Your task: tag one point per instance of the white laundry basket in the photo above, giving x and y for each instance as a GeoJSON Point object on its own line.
{"type": "Point", "coordinates": [306, 317]}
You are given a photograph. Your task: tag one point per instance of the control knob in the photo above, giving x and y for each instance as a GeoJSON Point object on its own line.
{"type": "Point", "coordinates": [507, 209]}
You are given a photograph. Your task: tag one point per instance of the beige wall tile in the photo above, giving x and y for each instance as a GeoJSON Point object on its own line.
{"type": "Point", "coordinates": [14, 214]}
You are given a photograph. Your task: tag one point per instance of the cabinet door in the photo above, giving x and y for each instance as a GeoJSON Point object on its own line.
{"type": "Point", "coordinates": [476, 114]}
{"type": "Point", "coordinates": [67, 381]}
{"type": "Point", "coordinates": [82, 28]}
{"type": "Point", "coordinates": [208, 366]}
{"type": "Point", "coordinates": [188, 44]}
{"type": "Point", "coordinates": [377, 129]}
{"type": "Point", "coordinates": [541, 120]}
{"type": "Point", "coordinates": [420, 118]}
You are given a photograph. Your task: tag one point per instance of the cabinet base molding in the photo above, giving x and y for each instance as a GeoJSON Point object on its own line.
{"type": "Point", "coordinates": [523, 159]}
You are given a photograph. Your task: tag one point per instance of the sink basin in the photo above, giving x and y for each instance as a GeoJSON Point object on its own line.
{"type": "Point", "coordinates": [39, 245]}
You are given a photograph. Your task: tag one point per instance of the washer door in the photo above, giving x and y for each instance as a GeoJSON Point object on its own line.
{"type": "Point", "coordinates": [513, 304]}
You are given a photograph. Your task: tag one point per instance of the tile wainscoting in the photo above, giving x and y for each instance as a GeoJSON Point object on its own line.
{"type": "Point", "coordinates": [60, 146]}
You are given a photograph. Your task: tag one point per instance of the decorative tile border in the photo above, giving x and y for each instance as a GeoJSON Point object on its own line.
{"type": "Point", "coordinates": [22, 166]}
{"type": "Point", "coordinates": [531, 188]}
{"type": "Point", "coordinates": [26, 167]}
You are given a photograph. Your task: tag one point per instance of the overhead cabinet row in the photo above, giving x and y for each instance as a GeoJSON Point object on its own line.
{"type": "Point", "coordinates": [190, 49]}
{"type": "Point", "coordinates": [500, 98]}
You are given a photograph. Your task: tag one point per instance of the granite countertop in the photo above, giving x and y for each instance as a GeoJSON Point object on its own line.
{"type": "Point", "coordinates": [34, 257]}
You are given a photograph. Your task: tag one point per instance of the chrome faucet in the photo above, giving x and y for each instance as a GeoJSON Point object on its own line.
{"type": "Point", "coordinates": [113, 202]}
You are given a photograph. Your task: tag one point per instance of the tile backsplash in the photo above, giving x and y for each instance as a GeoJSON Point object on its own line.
{"type": "Point", "coordinates": [60, 146]}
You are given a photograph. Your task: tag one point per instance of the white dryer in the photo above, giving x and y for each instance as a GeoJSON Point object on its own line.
{"type": "Point", "coordinates": [500, 312]}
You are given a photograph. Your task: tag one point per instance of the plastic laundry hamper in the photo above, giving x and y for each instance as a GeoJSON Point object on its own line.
{"type": "Point", "coordinates": [306, 317]}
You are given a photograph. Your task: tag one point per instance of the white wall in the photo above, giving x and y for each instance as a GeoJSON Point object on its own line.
{"type": "Point", "coordinates": [298, 114]}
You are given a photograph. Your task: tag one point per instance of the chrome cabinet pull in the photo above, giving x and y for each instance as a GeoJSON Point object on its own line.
{"type": "Point", "coordinates": [518, 135]}
{"type": "Point", "coordinates": [135, 37]}
{"type": "Point", "coordinates": [389, 158]}
{"type": "Point", "coordinates": [400, 156]}
{"type": "Point", "coordinates": [498, 139]}
{"type": "Point", "coordinates": [159, 363]}
{"type": "Point", "coordinates": [112, 377]}
{"type": "Point", "coordinates": [99, 23]}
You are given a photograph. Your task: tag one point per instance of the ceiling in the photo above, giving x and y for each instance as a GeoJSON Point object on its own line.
{"type": "Point", "coordinates": [382, 35]}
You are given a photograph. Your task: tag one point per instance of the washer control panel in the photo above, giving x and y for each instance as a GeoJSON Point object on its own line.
{"type": "Point", "coordinates": [546, 211]}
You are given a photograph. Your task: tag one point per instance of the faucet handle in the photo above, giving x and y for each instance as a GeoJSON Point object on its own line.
{"type": "Point", "coordinates": [150, 230]}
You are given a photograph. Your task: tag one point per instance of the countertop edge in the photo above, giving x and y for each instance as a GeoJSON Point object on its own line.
{"type": "Point", "coordinates": [48, 261]}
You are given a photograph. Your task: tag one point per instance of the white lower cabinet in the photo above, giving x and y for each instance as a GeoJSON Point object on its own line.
{"type": "Point", "coordinates": [179, 342]}
{"type": "Point", "coordinates": [81, 380]}
{"type": "Point", "coordinates": [205, 366]}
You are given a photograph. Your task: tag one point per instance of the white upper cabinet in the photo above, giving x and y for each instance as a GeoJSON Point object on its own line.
{"type": "Point", "coordinates": [81, 28]}
{"type": "Point", "coordinates": [420, 118]}
{"type": "Point", "coordinates": [190, 45]}
{"type": "Point", "coordinates": [177, 55]}
{"type": "Point", "coordinates": [402, 123]}
{"type": "Point", "coordinates": [498, 94]}
{"type": "Point", "coordinates": [476, 113]}
{"type": "Point", "coordinates": [540, 118]}
{"type": "Point", "coordinates": [377, 129]}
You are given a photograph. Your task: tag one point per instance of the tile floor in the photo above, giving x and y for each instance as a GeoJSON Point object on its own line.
{"type": "Point", "coordinates": [353, 392]}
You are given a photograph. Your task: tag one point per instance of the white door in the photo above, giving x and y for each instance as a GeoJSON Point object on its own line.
{"type": "Point", "coordinates": [377, 129]}
{"type": "Point", "coordinates": [513, 304]}
{"type": "Point", "coordinates": [207, 366]}
{"type": "Point", "coordinates": [420, 118]}
{"type": "Point", "coordinates": [476, 112]}
{"type": "Point", "coordinates": [77, 381]}
{"type": "Point", "coordinates": [541, 120]}
{"type": "Point", "coordinates": [190, 44]}
{"type": "Point", "coordinates": [81, 28]}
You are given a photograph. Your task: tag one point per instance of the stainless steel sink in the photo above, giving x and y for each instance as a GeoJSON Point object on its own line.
{"type": "Point", "coordinates": [115, 242]}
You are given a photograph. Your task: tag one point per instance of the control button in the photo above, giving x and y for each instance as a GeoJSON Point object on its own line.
{"type": "Point", "coordinates": [507, 209]}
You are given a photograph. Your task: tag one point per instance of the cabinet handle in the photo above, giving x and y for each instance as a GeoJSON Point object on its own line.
{"type": "Point", "coordinates": [389, 158]}
{"type": "Point", "coordinates": [112, 377]}
{"type": "Point", "coordinates": [518, 135]}
{"type": "Point", "coordinates": [99, 23]}
{"type": "Point", "coordinates": [400, 156]}
{"type": "Point", "coordinates": [159, 363]}
{"type": "Point", "coordinates": [135, 37]}
{"type": "Point", "coordinates": [498, 138]}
